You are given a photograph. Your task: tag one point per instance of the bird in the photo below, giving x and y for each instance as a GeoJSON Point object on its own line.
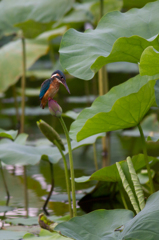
{"type": "Point", "coordinates": [51, 86]}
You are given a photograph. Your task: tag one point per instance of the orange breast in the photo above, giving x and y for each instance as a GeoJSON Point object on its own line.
{"type": "Point", "coordinates": [50, 93]}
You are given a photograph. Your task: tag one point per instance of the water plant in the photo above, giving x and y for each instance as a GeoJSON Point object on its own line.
{"type": "Point", "coordinates": [56, 111]}
{"type": "Point", "coordinates": [53, 136]}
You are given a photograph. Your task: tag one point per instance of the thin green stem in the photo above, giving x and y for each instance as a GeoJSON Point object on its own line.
{"type": "Point", "coordinates": [5, 184]}
{"type": "Point", "coordinates": [25, 189]}
{"type": "Point", "coordinates": [95, 156]}
{"type": "Point", "coordinates": [23, 85]}
{"type": "Point", "coordinates": [67, 178]}
{"type": "Point", "coordinates": [71, 165]}
{"type": "Point", "coordinates": [123, 198]}
{"type": "Point", "coordinates": [146, 158]}
{"type": "Point", "coordinates": [23, 117]}
{"type": "Point", "coordinates": [16, 103]}
{"type": "Point", "coordinates": [51, 189]}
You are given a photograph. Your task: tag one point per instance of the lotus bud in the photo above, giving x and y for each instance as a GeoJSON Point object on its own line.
{"type": "Point", "coordinates": [54, 108]}
{"type": "Point", "coordinates": [50, 133]}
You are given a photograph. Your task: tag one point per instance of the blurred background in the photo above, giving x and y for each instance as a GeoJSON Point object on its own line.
{"type": "Point", "coordinates": [30, 37]}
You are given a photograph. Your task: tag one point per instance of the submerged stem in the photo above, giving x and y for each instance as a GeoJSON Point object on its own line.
{"type": "Point", "coordinates": [71, 165]}
{"type": "Point", "coordinates": [146, 158]}
{"type": "Point", "coordinates": [51, 190]}
{"type": "Point", "coordinates": [67, 178]}
{"type": "Point", "coordinates": [25, 189]}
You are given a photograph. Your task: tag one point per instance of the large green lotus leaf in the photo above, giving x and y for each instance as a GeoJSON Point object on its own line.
{"type": "Point", "coordinates": [135, 3]}
{"type": "Point", "coordinates": [149, 62]}
{"type": "Point", "coordinates": [111, 174]}
{"type": "Point", "coordinates": [118, 37]}
{"type": "Point", "coordinates": [11, 56]}
{"type": "Point", "coordinates": [54, 155]}
{"type": "Point", "coordinates": [122, 107]}
{"type": "Point", "coordinates": [45, 235]}
{"type": "Point", "coordinates": [13, 153]}
{"type": "Point", "coordinates": [33, 220]}
{"type": "Point", "coordinates": [11, 235]}
{"type": "Point", "coordinates": [8, 134]}
{"type": "Point", "coordinates": [97, 225]}
{"type": "Point", "coordinates": [33, 16]}
{"type": "Point", "coordinates": [5, 209]}
{"type": "Point", "coordinates": [101, 224]}
{"type": "Point", "coordinates": [21, 139]}
{"type": "Point", "coordinates": [145, 224]}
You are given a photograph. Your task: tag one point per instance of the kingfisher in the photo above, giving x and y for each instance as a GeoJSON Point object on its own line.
{"type": "Point", "coordinates": [51, 86]}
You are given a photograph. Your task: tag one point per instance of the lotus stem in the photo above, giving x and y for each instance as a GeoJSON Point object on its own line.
{"type": "Point", "coordinates": [54, 137]}
{"type": "Point", "coordinates": [103, 89]}
{"type": "Point", "coordinates": [95, 156]}
{"type": "Point", "coordinates": [71, 165]}
{"type": "Point", "coordinates": [51, 190]}
{"type": "Point", "coordinates": [23, 85]}
{"type": "Point", "coordinates": [146, 158]}
{"type": "Point", "coordinates": [23, 118]}
{"type": "Point", "coordinates": [123, 198]}
{"type": "Point", "coordinates": [67, 178]}
{"type": "Point", "coordinates": [25, 189]}
{"type": "Point", "coordinates": [16, 104]}
{"type": "Point", "coordinates": [5, 184]}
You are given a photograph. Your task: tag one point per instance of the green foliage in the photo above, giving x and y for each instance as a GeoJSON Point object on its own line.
{"type": "Point", "coordinates": [123, 106]}
{"type": "Point", "coordinates": [143, 226]}
{"type": "Point", "coordinates": [13, 153]}
{"type": "Point", "coordinates": [132, 37]}
{"type": "Point", "coordinates": [50, 134]}
{"type": "Point", "coordinates": [104, 222]}
{"type": "Point", "coordinates": [149, 61]}
{"type": "Point", "coordinates": [127, 188]}
{"type": "Point", "coordinates": [110, 173]}
{"type": "Point", "coordinates": [45, 235]}
{"type": "Point", "coordinates": [12, 235]}
{"type": "Point", "coordinates": [136, 183]}
{"type": "Point", "coordinates": [5, 209]}
{"type": "Point", "coordinates": [11, 56]}
{"type": "Point", "coordinates": [33, 17]}
{"type": "Point", "coordinates": [118, 37]}
{"type": "Point", "coordinates": [8, 134]}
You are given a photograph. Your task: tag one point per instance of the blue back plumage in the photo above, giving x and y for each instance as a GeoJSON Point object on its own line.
{"type": "Point", "coordinates": [44, 87]}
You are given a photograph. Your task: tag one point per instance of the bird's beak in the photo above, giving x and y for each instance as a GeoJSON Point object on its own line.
{"type": "Point", "coordinates": [65, 84]}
